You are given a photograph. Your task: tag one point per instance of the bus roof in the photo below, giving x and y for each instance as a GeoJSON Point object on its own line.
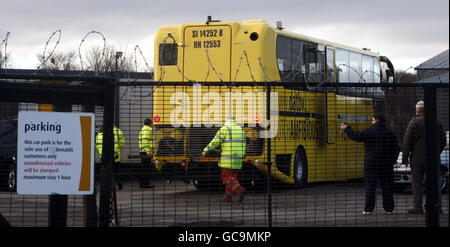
{"type": "Point", "coordinates": [283, 32]}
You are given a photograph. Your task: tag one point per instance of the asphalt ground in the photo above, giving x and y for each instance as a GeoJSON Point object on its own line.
{"type": "Point", "coordinates": [180, 204]}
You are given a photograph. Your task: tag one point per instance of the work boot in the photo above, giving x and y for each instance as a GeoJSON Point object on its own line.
{"type": "Point", "coordinates": [227, 198]}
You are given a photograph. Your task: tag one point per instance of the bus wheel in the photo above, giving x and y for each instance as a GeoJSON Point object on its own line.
{"type": "Point", "coordinates": [205, 184]}
{"type": "Point", "coordinates": [300, 167]}
{"type": "Point", "coordinates": [198, 179]}
{"type": "Point", "coordinates": [199, 184]}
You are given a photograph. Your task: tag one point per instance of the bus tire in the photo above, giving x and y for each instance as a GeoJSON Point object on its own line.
{"type": "Point", "coordinates": [203, 184]}
{"type": "Point", "coordinates": [251, 178]}
{"type": "Point", "coordinates": [199, 180]}
{"type": "Point", "coordinates": [205, 176]}
{"type": "Point", "coordinates": [198, 183]}
{"type": "Point", "coordinates": [300, 167]}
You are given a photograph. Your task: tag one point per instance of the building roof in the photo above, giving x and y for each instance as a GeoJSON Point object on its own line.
{"type": "Point", "coordinates": [441, 78]}
{"type": "Point", "coordinates": [439, 61]}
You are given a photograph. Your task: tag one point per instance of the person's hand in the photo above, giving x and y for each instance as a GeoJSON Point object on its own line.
{"type": "Point", "coordinates": [203, 154]}
{"type": "Point", "coordinates": [343, 126]}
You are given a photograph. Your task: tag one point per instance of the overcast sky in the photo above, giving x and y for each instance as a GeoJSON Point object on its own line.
{"type": "Point", "coordinates": [408, 31]}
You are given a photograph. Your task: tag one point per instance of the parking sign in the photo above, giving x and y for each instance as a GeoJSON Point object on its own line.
{"type": "Point", "coordinates": [55, 153]}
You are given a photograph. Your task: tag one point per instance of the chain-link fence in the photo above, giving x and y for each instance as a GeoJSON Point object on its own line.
{"type": "Point", "coordinates": [313, 153]}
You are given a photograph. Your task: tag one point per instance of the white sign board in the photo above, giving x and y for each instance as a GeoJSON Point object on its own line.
{"type": "Point", "coordinates": [55, 153]}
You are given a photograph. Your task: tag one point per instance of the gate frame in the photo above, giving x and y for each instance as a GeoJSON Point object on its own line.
{"type": "Point", "coordinates": [96, 89]}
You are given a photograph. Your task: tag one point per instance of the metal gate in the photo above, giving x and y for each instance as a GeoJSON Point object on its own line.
{"type": "Point", "coordinates": [196, 199]}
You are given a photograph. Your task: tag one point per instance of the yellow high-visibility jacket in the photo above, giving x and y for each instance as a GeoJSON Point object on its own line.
{"type": "Point", "coordinates": [146, 140]}
{"type": "Point", "coordinates": [119, 141]}
{"type": "Point", "coordinates": [231, 137]}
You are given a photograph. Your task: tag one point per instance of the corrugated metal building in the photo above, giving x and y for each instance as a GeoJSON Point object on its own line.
{"type": "Point", "coordinates": [433, 67]}
{"type": "Point", "coordinates": [435, 70]}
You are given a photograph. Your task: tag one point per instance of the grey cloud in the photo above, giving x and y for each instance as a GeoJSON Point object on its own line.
{"type": "Point", "coordinates": [413, 22]}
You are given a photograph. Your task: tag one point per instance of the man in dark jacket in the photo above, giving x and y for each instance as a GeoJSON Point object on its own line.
{"type": "Point", "coordinates": [381, 151]}
{"type": "Point", "coordinates": [414, 149]}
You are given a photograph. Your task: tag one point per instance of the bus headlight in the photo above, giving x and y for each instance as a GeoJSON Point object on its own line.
{"type": "Point", "coordinates": [156, 161]}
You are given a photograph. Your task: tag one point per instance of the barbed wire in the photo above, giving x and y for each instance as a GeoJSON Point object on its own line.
{"type": "Point", "coordinates": [373, 72]}
{"type": "Point", "coordinates": [210, 65]}
{"type": "Point", "coordinates": [162, 70]}
{"type": "Point", "coordinates": [137, 48]}
{"type": "Point", "coordinates": [44, 59]}
{"type": "Point", "coordinates": [5, 56]}
{"type": "Point", "coordinates": [5, 40]}
{"type": "Point", "coordinates": [244, 53]}
{"type": "Point", "coordinates": [83, 40]}
{"type": "Point", "coordinates": [350, 67]}
{"type": "Point", "coordinates": [327, 77]}
{"type": "Point", "coordinates": [130, 90]}
{"type": "Point", "coordinates": [266, 77]}
{"type": "Point", "coordinates": [131, 94]}
{"type": "Point", "coordinates": [404, 72]}
{"type": "Point", "coordinates": [178, 68]}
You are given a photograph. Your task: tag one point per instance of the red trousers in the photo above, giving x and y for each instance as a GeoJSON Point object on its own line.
{"type": "Point", "coordinates": [229, 178]}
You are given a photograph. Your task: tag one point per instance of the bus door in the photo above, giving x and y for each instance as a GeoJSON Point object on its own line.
{"type": "Point", "coordinates": [330, 98]}
{"type": "Point", "coordinates": [207, 53]}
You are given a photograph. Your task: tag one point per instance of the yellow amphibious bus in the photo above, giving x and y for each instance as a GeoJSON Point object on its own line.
{"type": "Point", "coordinates": [307, 145]}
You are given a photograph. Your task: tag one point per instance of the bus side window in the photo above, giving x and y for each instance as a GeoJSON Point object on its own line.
{"type": "Point", "coordinates": [284, 57]}
{"type": "Point", "coordinates": [298, 66]}
{"type": "Point", "coordinates": [377, 70]}
{"type": "Point", "coordinates": [384, 69]}
{"type": "Point", "coordinates": [168, 54]}
{"type": "Point", "coordinates": [367, 69]}
{"type": "Point", "coordinates": [314, 60]}
{"type": "Point", "coordinates": [355, 67]}
{"type": "Point", "coordinates": [330, 65]}
{"type": "Point", "coordinates": [342, 64]}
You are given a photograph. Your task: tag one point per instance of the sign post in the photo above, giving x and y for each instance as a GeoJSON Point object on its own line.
{"type": "Point", "coordinates": [55, 153]}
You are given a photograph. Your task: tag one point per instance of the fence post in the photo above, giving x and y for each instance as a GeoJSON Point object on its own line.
{"type": "Point", "coordinates": [431, 152]}
{"type": "Point", "coordinates": [269, 161]}
{"type": "Point", "coordinates": [57, 205]}
{"type": "Point", "coordinates": [107, 154]}
{"type": "Point", "coordinates": [90, 201]}
{"type": "Point", "coordinates": [90, 209]}
{"type": "Point", "coordinates": [57, 210]}
{"type": "Point", "coordinates": [117, 90]}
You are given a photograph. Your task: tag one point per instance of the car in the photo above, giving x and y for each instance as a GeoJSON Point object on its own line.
{"type": "Point", "coordinates": [8, 154]}
{"type": "Point", "coordinates": [402, 173]}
